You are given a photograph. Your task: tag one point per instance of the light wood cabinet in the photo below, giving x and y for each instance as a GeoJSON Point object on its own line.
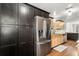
{"type": "Point", "coordinates": [57, 33]}
{"type": "Point", "coordinates": [56, 39]}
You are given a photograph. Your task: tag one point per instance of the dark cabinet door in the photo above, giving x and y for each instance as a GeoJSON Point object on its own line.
{"type": "Point", "coordinates": [45, 14]}
{"type": "Point", "coordinates": [0, 13]}
{"type": "Point", "coordinates": [26, 49]}
{"type": "Point", "coordinates": [26, 14]}
{"type": "Point", "coordinates": [8, 50]}
{"type": "Point", "coordinates": [25, 34]}
{"type": "Point", "coordinates": [38, 12]}
{"type": "Point", "coordinates": [8, 40]}
{"type": "Point", "coordinates": [8, 13]}
{"type": "Point", "coordinates": [9, 34]}
{"type": "Point", "coordinates": [41, 13]}
{"type": "Point", "coordinates": [25, 41]}
{"type": "Point", "coordinates": [72, 36]}
{"type": "Point", "coordinates": [68, 36]}
{"type": "Point", "coordinates": [75, 36]}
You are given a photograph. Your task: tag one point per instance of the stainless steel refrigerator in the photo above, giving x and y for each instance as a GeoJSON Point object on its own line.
{"type": "Point", "coordinates": [42, 42]}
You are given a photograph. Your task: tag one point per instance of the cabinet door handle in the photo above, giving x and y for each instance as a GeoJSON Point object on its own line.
{"type": "Point", "coordinates": [43, 42]}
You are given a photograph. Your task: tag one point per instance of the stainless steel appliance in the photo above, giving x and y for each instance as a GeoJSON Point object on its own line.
{"type": "Point", "coordinates": [42, 43]}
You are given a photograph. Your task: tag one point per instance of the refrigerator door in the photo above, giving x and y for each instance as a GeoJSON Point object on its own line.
{"type": "Point", "coordinates": [44, 28]}
{"type": "Point", "coordinates": [42, 44]}
{"type": "Point", "coordinates": [43, 48]}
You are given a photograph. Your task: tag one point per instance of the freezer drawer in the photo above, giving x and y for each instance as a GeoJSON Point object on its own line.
{"type": "Point", "coordinates": [43, 49]}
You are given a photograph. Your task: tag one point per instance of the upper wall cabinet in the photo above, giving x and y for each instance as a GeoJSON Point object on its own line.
{"type": "Point", "coordinates": [8, 13]}
{"type": "Point", "coordinates": [26, 14]}
{"type": "Point", "coordinates": [39, 12]}
{"type": "Point", "coordinates": [45, 14]}
{"type": "Point", "coordinates": [22, 14]}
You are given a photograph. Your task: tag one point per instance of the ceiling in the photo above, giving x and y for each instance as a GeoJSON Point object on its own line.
{"type": "Point", "coordinates": [59, 8]}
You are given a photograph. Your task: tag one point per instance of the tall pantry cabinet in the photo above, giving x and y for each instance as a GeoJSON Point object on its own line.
{"type": "Point", "coordinates": [9, 33]}
{"type": "Point", "coordinates": [16, 29]}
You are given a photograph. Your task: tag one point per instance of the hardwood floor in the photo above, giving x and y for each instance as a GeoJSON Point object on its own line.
{"type": "Point", "coordinates": [70, 51]}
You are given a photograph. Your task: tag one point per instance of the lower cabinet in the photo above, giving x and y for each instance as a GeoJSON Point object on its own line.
{"type": "Point", "coordinates": [8, 40]}
{"type": "Point", "coordinates": [25, 41]}
{"type": "Point", "coordinates": [8, 50]}
{"type": "Point", "coordinates": [57, 39]}
{"type": "Point", "coordinates": [16, 41]}
{"type": "Point", "coordinates": [72, 36]}
{"type": "Point", "coordinates": [26, 50]}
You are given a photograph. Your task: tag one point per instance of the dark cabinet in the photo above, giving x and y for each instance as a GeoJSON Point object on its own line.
{"type": "Point", "coordinates": [30, 49]}
{"type": "Point", "coordinates": [8, 29]}
{"type": "Point", "coordinates": [38, 12]}
{"type": "Point", "coordinates": [8, 40]}
{"type": "Point", "coordinates": [23, 49]}
{"type": "Point", "coordinates": [16, 40]}
{"type": "Point", "coordinates": [8, 50]}
{"type": "Point", "coordinates": [25, 34]}
{"type": "Point", "coordinates": [0, 14]}
{"type": "Point", "coordinates": [45, 14]}
{"type": "Point", "coordinates": [75, 36]}
{"type": "Point", "coordinates": [26, 14]}
{"type": "Point", "coordinates": [72, 36]}
{"type": "Point", "coordinates": [16, 28]}
{"type": "Point", "coordinates": [9, 35]}
{"type": "Point", "coordinates": [26, 49]}
{"type": "Point", "coordinates": [8, 14]}
{"type": "Point", "coordinates": [41, 13]}
{"type": "Point", "coordinates": [25, 40]}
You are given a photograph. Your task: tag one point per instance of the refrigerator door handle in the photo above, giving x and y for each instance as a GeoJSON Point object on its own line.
{"type": "Point", "coordinates": [44, 42]}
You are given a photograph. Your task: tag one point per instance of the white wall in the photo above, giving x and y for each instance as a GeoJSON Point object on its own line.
{"type": "Point", "coordinates": [72, 26]}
